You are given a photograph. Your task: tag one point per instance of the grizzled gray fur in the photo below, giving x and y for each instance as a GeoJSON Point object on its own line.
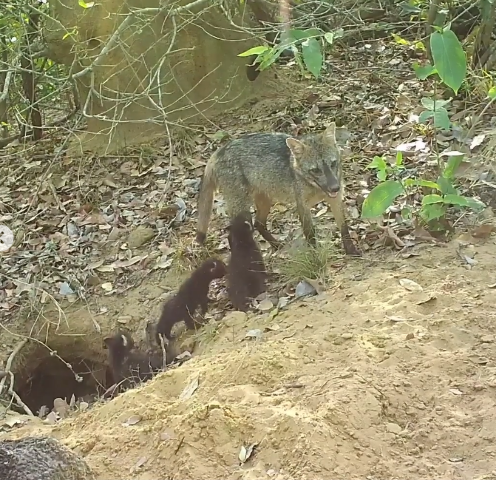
{"type": "Point", "coordinates": [262, 169]}
{"type": "Point", "coordinates": [40, 458]}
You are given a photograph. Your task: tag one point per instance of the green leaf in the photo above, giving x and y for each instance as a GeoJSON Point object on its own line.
{"type": "Point", "coordinates": [382, 175]}
{"type": "Point", "coordinates": [409, 8]}
{"type": "Point", "coordinates": [254, 51]}
{"type": "Point", "coordinates": [430, 199]}
{"type": "Point", "coordinates": [312, 56]}
{"type": "Point", "coordinates": [267, 58]}
{"type": "Point", "coordinates": [449, 58]}
{"type": "Point", "coordinates": [406, 212]}
{"type": "Point", "coordinates": [399, 40]}
{"type": "Point", "coordinates": [475, 205]}
{"type": "Point", "coordinates": [452, 165]}
{"type": "Point", "coordinates": [298, 60]}
{"type": "Point", "coordinates": [445, 186]}
{"type": "Point", "coordinates": [380, 198]}
{"type": "Point", "coordinates": [84, 4]}
{"type": "Point", "coordinates": [399, 158]}
{"type": "Point", "coordinates": [219, 135]}
{"type": "Point", "coordinates": [441, 119]}
{"type": "Point", "coordinates": [485, 7]}
{"type": "Point", "coordinates": [491, 94]}
{"type": "Point", "coordinates": [424, 72]}
{"type": "Point", "coordinates": [331, 36]}
{"type": "Point", "coordinates": [425, 115]}
{"type": "Point", "coordinates": [428, 103]}
{"type": "Point", "coordinates": [419, 45]}
{"type": "Point", "coordinates": [297, 35]}
{"type": "Point", "coordinates": [410, 182]}
{"type": "Point", "coordinates": [452, 199]}
{"type": "Point", "coordinates": [432, 212]}
{"type": "Point", "coordinates": [378, 162]}
{"type": "Point", "coordinates": [432, 104]}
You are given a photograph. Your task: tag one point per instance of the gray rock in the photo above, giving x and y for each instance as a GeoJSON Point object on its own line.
{"type": "Point", "coordinates": [40, 458]}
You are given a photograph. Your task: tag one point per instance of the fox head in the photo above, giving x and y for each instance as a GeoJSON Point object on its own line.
{"type": "Point", "coordinates": [240, 231]}
{"type": "Point", "coordinates": [216, 268]}
{"type": "Point", "coordinates": [317, 159]}
{"type": "Point", "coordinates": [120, 342]}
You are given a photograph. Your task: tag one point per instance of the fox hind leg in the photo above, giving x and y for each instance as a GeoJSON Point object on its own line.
{"type": "Point", "coordinates": [263, 204]}
{"type": "Point", "coordinates": [238, 200]}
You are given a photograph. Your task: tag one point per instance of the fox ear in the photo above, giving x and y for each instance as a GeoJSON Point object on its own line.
{"type": "Point", "coordinates": [106, 342]}
{"type": "Point", "coordinates": [330, 133]}
{"type": "Point", "coordinates": [250, 227]}
{"type": "Point", "coordinates": [124, 340]}
{"type": "Point", "coordinates": [297, 148]}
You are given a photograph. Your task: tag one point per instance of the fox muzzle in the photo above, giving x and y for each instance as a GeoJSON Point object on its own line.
{"type": "Point", "coordinates": [332, 184]}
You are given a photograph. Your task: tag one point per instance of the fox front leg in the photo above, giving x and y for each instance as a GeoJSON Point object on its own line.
{"type": "Point", "coordinates": [203, 308]}
{"type": "Point", "coordinates": [307, 225]}
{"type": "Point", "coordinates": [348, 245]}
{"type": "Point", "coordinates": [337, 209]}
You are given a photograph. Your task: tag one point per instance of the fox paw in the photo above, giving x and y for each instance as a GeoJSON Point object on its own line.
{"type": "Point", "coordinates": [351, 249]}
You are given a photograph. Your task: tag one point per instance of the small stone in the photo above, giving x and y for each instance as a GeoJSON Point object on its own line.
{"type": "Point", "coordinates": [124, 319]}
{"type": "Point", "coordinates": [166, 436]}
{"type": "Point", "coordinates": [304, 289]}
{"type": "Point", "coordinates": [393, 428]}
{"type": "Point", "coordinates": [255, 333]}
{"type": "Point", "coordinates": [347, 336]}
{"type": "Point", "coordinates": [51, 418]}
{"type": "Point", "coordinates": [265, 305]}
{"type": "Point", "coordinates": [487, 339]}
{"type": "Point", "coordinates": [282, 302]}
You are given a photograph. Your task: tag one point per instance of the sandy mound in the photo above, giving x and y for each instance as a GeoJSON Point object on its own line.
{"type": "Point", "coordinates": [369, 380]}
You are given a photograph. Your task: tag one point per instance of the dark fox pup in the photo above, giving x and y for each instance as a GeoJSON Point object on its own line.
{"type": "Point", "coordinates": [130, 366]}
{"type": "Point", "coordinates": [192, 294]}
{"type": "Point", "coordinates": [268, 168]}
{"type": "Point", "coordinates": [246, 269]}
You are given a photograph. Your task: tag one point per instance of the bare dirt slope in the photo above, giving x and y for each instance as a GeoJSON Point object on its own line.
{"type": "Point", "coordinates": [369, 380]}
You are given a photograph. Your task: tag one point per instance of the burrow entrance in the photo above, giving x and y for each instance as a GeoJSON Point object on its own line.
{"type": "Point", "coordinates": [41, 377]}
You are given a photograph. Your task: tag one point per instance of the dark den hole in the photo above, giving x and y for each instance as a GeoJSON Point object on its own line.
{"type": "Point", "coordinates": [42, 381]}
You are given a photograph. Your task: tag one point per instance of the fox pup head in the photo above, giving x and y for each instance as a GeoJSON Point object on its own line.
{"type": "Point", "coordinates": [240, 230]}
{"type": "Point", "coordinates": [120, 342]}
{"type": "Point", "coordinates": [216, 268]}
{"type": "Point", "coordinates": [317, 160]}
